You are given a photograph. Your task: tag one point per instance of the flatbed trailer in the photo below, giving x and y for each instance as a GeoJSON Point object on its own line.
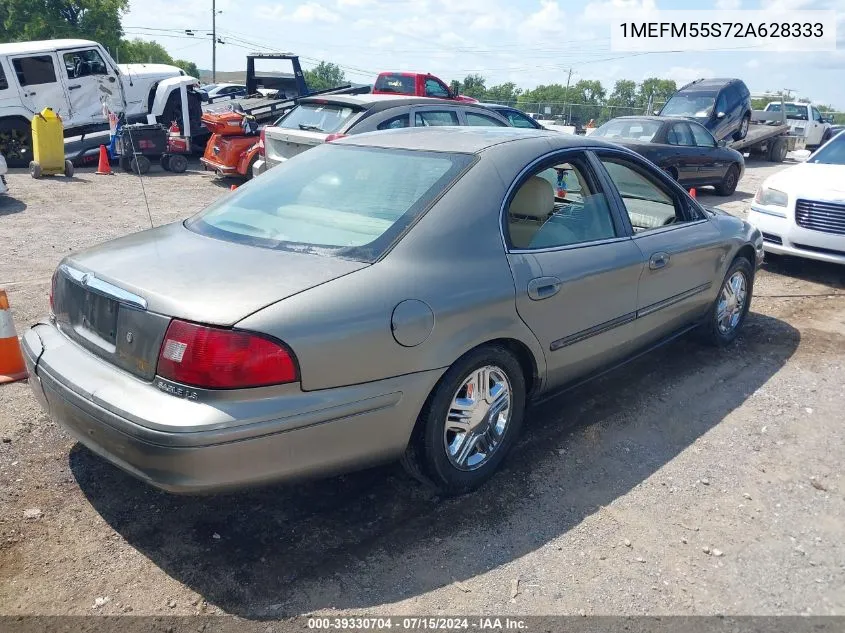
{"type": "Point", "coordinates": [768, 136]}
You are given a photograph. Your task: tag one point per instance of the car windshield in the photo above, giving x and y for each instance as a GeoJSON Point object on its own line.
{"type": "Point", "coordinates": [334, 200]}
{"type": "Point", "coordinates": [399, 84]}
{"type": "Point", "coordinates": [629, 129]}
{"type": "Point", "coordinates": [831, 154]}
{"type": "Point", "coordinates": [792, 110]}
{"type": "Point", "coordinates": [317, 117]}
{"type": "Point", "coordinates": [694, 104]}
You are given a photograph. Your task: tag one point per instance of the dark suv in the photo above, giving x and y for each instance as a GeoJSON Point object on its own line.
{"type": "Point", "coordinates": [723, 106]}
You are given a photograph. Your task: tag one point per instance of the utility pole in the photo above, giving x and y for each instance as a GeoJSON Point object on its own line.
{"type": "Point", "coordinates": [566, 96]}
{"type": "Point", "coordinates": [213, 41]}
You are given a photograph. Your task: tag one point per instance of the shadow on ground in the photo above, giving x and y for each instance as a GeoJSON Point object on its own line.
{"type": "Point", "coordinates": [807, 270]}
{"type": "Point", "coordinates": [376, 537]}
{"type": "Point", "coordinates": [9, 205]}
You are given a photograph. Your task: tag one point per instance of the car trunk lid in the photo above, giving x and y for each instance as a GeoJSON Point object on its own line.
{"type": "Point", "coordinates": [117, 299]}
{"type": "Point", "coordinates": [281, 144]}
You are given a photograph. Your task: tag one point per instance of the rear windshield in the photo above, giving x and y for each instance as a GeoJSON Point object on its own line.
{"type": "Point", "coordinates": [792, 111]}
{"type": "Point", "coordinates": [336, 200]}
{"type": "Point", "coordinates": [400, 84]}
{"type": "Point", "coordinates": [694, 104]}
{"type": "Point", "coordinates": [317, 117]}
{"type": "Point", "coordinates": [629, 129]}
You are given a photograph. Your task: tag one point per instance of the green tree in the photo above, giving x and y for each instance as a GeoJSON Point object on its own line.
{"type": "Point", "coordinates": [506, 93]}
{"type": "Point", "coordinates": [140, 51]}
{"type": "Point", "coordinates": [324, 75]}
{"type": "Point", "coordinates": [189, 67]}
{"type": "Point", "coordinates": [98, 20]}
{"type": "Point", "coordinates": [473, 86]}
{"type": "Point", "coordinates": [624, 94]}
{"type": "Point", "coordinates": [552, 96]}
{"type": "Point", "coordinates": [659, 89]}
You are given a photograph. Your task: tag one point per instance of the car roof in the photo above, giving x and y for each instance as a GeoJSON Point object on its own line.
{"type": "Point", "coordinates": [42, 46]}
{"type": "Point", "coordinates": [381, 102]}
{"type": "Point", "coordinates": [708, 85]}
{"type": "Point", "coordinates": [465, 139]}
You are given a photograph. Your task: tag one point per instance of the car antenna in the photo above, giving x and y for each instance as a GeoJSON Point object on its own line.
{"type": "Point", "coordinates": [140, 177]}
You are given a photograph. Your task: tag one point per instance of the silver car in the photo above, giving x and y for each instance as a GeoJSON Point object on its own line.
{"type": "Point", "coordinates": [317, 120]}
{"type": "Point", "coordinates": [398, 295]}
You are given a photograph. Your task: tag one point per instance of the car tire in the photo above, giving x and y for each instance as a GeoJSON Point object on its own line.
{"type": "Point", "coordinates": [69, 169]}
{"type": "Point", "coordinates": [742, 132]}
{"type": "Point", "coordinates": [458, 419]}
{"type": "Point", "coordinates": [778, 151]}
{"type": "Point", "coordinates": [16, 142]}
{"type": "Point", "coordinates": [729, 182]}
{"type": "Point", "coordinates": [727, 315]}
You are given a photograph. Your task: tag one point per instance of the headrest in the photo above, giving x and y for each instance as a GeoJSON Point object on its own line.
{"type": "Point", "coordinates": [535, 199]}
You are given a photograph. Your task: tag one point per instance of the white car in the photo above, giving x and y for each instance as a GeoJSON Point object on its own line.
{"type": "Point", "coordinates": [223, 92]}
{"type": "Point", "coordinates": [801, 210]}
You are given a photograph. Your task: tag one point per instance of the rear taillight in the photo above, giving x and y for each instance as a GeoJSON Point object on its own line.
{"type": "Point", "coordinates": [53, 291]}
{"type": "Point", "coordinates": [261, 142]}
{"type": "Point", "coordinates": [335, 136]}
{"type": "Point", "coordinates": [217, 358]}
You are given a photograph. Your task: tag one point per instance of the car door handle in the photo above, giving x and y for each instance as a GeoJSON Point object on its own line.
{"type": "Point", "coordinates": [74, 87]}
{"type": "Point", "coordinates": [543, 288]}
{"type": "Point", "coordinates": [658, 261]}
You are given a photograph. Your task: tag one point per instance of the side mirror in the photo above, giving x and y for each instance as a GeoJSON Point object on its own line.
{"type": "Point", "coordinates": [723, 143]}
{"type": "Point", "coordinates": [720, 115]}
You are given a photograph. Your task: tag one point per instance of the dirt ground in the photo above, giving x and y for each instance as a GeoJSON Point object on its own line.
{"type": "Point", "coordinates": [693, 481]}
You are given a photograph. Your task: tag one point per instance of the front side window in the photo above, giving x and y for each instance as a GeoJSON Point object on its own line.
{"type": "Point", "coordinates": [722, 103]}
{"type": "Point", "coordinates": [558, 206]}
{"type": "Point", "coordinates": [84, 64]}
{"type": "Point", "coordinates": [702, 137]}
{"type": "Point", "coordinates": [435, 117]}
{"type": "Point", "coordinates": [34, 71]}
{"type": "Point", "coordinates": [679, 134]}
{"type": "Point", "coordinates": [4, 83]}
{"type": "Point", "coordinates": [816, 115]}
{"type": "Point", "coordinates": [649, 205]}
{"type": "Point", "coordinates": [334, 200]}
{"type": "Point", "coordinates": [473, 118]}
{"type": "Point", "coordinates": [434, 88]}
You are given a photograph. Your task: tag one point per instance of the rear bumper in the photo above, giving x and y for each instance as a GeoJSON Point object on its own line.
{"type": "Point", "coordinates": [797, 241]}
{"type": "Point", "coordinates": [220, 168]}
{"type": "Point", "coordinates": [237, 440]}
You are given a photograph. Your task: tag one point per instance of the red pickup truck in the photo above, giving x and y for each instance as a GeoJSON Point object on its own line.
{"type": "Point", "coordinates": [416, 84]}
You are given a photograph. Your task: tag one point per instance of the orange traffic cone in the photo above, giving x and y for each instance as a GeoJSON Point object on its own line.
{"type": "Point", "coordinates": [12, 367]}
{"type": "Point", "coordinates": [233, 187]}
{"type": "Point", "coordinates": [692, 192]}
{"type": "Point", "coordinates": [104, 168]}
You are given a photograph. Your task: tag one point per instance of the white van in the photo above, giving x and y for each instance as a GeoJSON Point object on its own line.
{"type": "Point", "coordinates": [74, 78]}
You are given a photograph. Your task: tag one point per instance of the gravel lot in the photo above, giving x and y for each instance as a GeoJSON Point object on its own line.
{"type": "Point", "coordinates": [693, 481]}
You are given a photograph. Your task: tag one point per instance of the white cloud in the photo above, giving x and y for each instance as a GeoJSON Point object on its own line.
{"type": "Point", "coordinates": [313, 12]}
{"type": "Point", "coordinates": [549, 17]}
{"type": "Point", "coordinates": [752, 63]}
{"type": "Point", "coordinates": [685, 74]}
{"type": "Point", "coordinates": [604, 10]}
{"type": "Point", "coordinates": [355, 3]}
{"type": "Point", "coordinates": [383, 41]}
{"type": "Point", "coordinates": [728, 5]}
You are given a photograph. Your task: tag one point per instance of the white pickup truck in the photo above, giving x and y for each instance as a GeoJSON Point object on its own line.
{"type": "Point", "coordinates": [74, 78]}
{"type": "Point", "coordinates": [804, 120]}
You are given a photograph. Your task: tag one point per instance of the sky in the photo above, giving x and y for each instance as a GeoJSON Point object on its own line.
{"type": "Point", "coordinates": [528, 42]}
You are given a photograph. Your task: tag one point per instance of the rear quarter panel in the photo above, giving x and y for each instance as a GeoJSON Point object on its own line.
{"type": "Point", "coordinates": [452, 260]}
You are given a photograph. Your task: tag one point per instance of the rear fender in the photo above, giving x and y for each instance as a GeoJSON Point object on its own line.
{"type": "Point", "coordinates": [247, 156]}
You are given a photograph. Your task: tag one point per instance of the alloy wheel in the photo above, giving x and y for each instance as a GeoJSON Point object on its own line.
{"type": "Point", "coordinates": [478, 418]}
{"type": "Point", "coordinates": [731, 304]}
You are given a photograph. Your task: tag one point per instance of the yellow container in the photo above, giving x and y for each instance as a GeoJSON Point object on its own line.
{"type": "Point", "coordinates": [48, 145]}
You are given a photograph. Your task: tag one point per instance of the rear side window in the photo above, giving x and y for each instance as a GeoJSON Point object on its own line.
{"type": "Point", "coordinates": [518, 119]}
{"type": "Point", "coordinates": [399, 84]}
{"type": "Point", "coordinates": [317, 117]}
{"type": "Point", "coordinates": [435, 117]}
{"type": "Point", "coordinates": [334, 200]}
{"type": "Point", "coordinates": [32, 71]}
{"type": "Point", "coordinates": [4, 83]}
{"type": "Point", "coordinates": [395, 123]}
{"type": "Point", "coordinates": [473, 118]}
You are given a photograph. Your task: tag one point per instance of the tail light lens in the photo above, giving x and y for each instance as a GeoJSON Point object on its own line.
{"type": "Point", "coordinates": [334, 137]}
{"type": "Point", "coordinates": [217, 358]}
{"type": "Point", "coordinates": [261, 142]}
